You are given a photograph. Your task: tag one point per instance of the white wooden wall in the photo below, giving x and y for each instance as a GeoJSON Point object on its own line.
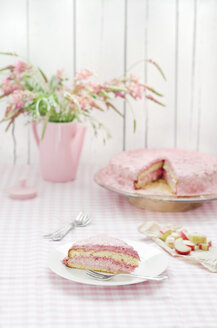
{"type": "Point", "coordinates": [107, 36]}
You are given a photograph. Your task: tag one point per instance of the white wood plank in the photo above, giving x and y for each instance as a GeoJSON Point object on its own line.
{"type": "Point", "coordinates": [51, 41]}
{"type": "Point", "coordinates": [205, 104]}
{"type": "Point", "coordinates": [137, 49]}
{"type": "Point", "coordinates": [13, 39]}
{"type": "Point", "coordinates": [100, 47]}
{"type": "Point", "coordinates": [162, 49]}
{"type": "Point", "coordinates": [186, 69]}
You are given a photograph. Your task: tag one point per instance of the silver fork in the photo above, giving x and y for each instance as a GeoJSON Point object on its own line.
{"type": "Point", "coordinates": [81, 220]}
{"type": "Point", "coordinates": [108, 276]}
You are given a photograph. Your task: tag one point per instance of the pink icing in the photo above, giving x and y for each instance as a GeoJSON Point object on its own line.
{"type": "Point", "coordinates": [196, 172]}
{"type": "Point", "coordinates": [102, 262]}
{"type": "Point", "coordinates": [104, 242]}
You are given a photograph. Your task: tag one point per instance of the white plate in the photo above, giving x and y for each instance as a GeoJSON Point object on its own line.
{"type": "Point", "coordinates": [153, 262]}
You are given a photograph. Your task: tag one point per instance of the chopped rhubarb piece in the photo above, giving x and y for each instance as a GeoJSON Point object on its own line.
{"type": "Point", "coordinates": [204, 246]}
{"type": "Point", "coordinates": [197, 238]}
{"type": "Point", "coordinates": [184, 235]}
{"type": "Point", "coordinates": [170, 241]}
{"type": "Point", "coordinates": [181, 248]}
{"type": "Point", "coordinates": [164, 233]}
{"type": "Point", "coordinates": [189, 244]}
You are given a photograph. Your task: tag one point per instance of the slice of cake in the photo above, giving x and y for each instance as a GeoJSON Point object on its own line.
{"type": "Point", "coordinates": [102, 253]}
{"type": "Point", "coordinates": [161, 172]}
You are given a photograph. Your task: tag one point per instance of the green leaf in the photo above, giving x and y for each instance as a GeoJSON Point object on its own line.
{"type": "Point", "coordinates": [44, 127]}
{"type": "Point", "coordinates": [6, 68]}
{"type": "Point", "coordinates": [28, 84]}
{"type": "Point", "coordinates": [9, 54]}
{"type": "Point", "coordinates": [134, 125]}
{"type": "Point", "coordinates": [56, 98]}
{"type": "Point", "coordinates": [152, 90]}
{"type": "Point", "coordinates": [158, 68]}
{"type": "Point", "coordinates": [53, 84]}
{"type": "Point", "coordinates": [116, 89]}
{"type": "Point", "coordinates": [5, 95]}
{"type": "Point", "coordinates": [43, 75]}
{"type": "Point", "coordinates": [149, 61]}
{"type": "Point", "coordinates": [155, 100]}
{"type": "Point", "coordinates": [104, 93]}
{"type": "Point", "coordinates": [115, 109]}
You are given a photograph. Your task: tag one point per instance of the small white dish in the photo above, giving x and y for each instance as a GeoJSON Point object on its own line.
{"type": "Point", "coordinates": [153, 262]}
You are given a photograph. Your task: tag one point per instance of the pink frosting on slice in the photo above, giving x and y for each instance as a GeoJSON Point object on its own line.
{"type": "Point", "coordinates": [104, 242]}
{"type": "Point", "coordinates": [196, 172]}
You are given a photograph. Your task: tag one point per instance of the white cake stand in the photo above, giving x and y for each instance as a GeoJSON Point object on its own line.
{"type": "Point", "coordinates": [156, 199]}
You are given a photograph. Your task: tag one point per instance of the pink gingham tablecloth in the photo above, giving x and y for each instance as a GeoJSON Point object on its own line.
{"type": "Point", "coordinates": [33, 296]}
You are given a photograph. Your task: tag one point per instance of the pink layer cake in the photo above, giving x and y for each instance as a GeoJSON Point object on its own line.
{"type": "Point", "coordinates": [102, 253]}
{"type": "Point", "coordinates": [186, 172]}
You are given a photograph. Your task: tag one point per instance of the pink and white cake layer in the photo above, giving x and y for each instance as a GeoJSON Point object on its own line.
{"type": "Point", "coordinates": [99, 264]}
{"type": "Point", "coordinates": [102, 253]}
{"type": "Point", "coordinates": [196, 172]}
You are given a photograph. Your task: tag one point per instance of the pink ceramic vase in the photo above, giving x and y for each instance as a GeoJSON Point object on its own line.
{"type": "Point", "coordinates": [60, 150]}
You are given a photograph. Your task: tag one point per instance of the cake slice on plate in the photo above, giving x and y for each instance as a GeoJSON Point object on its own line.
{"type": "Point", "coordinates": [102, 253]}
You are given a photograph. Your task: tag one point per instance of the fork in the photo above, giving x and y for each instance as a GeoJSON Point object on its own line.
{"type": "Point", "coordinates": [104, 277]}
{"type": "Point", "coordinates": [81, 220]}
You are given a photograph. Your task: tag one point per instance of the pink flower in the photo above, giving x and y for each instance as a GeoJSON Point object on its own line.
{"type": "Point", "coordinates": [18, 102]}
{"type": "Point", "coordinates": [135, 90]}
{"type": "Point", "coordinates": [113, 82]}
{"type": "Point", "coordinates": [80, 86]}
{"type": "Point", "coordinates": [91, 102]}
{"type": "Point", "coordinates": [120, 94]}
{"type": "Point", "coordinates": [20, 67]}
{"type": "Point", "coordinates": [60, 75]}
{"type": "Point", "coordinates": [96, 87]}
{"type": "Point", "coordinates": [20, 98]}
{"type": "Point", "coordinates": [83, 74]}
{"type": "Point", "coordinates": [134, 78]}
{"type": "Point", "coordinates": [83, 102]}
{"type": "Point", "coordinates": [9, 86]}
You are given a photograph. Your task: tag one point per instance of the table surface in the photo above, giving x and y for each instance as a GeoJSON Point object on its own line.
{"type": "Point", "coordinates": [33, 296]}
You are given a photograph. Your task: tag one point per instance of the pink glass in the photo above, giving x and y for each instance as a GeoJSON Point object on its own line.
{"type": "Point", "coordinates": [60, 150]}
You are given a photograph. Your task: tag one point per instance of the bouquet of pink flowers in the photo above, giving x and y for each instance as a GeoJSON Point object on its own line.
{"type": "Point", "coordinates": [31, 93]}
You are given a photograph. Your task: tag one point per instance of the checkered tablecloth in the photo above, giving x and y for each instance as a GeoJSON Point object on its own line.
{"type": "Point", "coordinates": [33, 296]}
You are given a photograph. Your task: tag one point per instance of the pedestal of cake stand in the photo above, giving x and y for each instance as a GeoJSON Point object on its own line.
{"type": "Point", "coordinates": [163, 206]}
